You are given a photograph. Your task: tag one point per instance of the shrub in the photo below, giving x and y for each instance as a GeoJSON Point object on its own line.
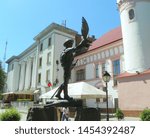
{"type": "Point", "coordinates": [119, 114]}
{"type": "Point", "coordinates": [10, 115]}
{"type": "Point", "coordinates": [145, 115]}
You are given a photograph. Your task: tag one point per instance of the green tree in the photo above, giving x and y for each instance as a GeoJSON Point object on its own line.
{"type": "Point", "coordinates": [2, 78]}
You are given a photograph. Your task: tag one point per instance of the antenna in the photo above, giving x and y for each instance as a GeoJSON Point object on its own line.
{"type": "Point", "coordinates": [4, 59]}
{"type": "Point", "coordinates": [64, 23]}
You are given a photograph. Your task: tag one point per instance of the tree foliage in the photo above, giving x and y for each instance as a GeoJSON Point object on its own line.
{"type": "Point", "coordinates": [2, 78]}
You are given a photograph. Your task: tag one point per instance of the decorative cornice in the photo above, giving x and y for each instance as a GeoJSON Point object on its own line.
{"type": "Point", "coordinates": [12, 58]}
{"type": "Point", "coordinates": [125, 4]}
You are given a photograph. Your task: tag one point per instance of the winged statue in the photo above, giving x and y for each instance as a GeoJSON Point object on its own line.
{"type": "Point", "coordinates": [85, 28]}
{"type": "Point", "coordinates": [85, 42]}
{"type": "Point", "coordinates": [67, 59]}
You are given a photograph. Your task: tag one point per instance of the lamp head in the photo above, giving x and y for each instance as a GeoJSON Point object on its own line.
{"type": "Point", "coordinates": [106, 76]}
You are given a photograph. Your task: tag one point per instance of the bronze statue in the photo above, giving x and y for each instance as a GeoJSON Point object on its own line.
{"type": "Point", "coordinates": [67, 59]}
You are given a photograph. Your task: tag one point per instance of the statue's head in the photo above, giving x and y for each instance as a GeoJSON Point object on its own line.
{"type": "Point", "coordinates": [68, 43]}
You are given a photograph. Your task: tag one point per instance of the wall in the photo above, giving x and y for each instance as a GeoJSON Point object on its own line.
{"type": "Point", "coordinates": [45, 66]}
{"type": "Point", "coordinates": [57, 40]}
{"type": "Point", "coordinates": [134, 93]}
{"type": "Point", "coordinates": [106, 54]}
{"type": "Point", "coordinates": [136, 34]}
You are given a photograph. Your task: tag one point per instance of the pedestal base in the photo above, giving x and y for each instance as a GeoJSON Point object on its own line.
{"type": "Point", "coordinates": [87, 114]}
{"type": "Point", "coordinates": [42, 114]}
{"type": "Point", "coordinates": [49, 111]}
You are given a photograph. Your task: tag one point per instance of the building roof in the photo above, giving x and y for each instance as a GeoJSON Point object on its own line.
{"type": "Point", "coordinates": [109, 37]}
{"type": "Point", "coordinates": [40, 35]}
{"type": "Point", "coordinates": [57, 27]}
{"type": "Point", "coordinates": [11, 59]}
{"type": "Point", "coordinates": [127, 74]}
{"type": "Point", "coordinates": [22, 53]}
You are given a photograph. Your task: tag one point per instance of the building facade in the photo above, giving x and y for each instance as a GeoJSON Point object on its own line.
{"type": "Point", "coordinates": [22, 71]}
{"type": "Point", "coordinates": [50, 45]}
{"type": "Point", "coordinates": [39, 64]}
{"type": "Point", "coordinates": [105, 54]}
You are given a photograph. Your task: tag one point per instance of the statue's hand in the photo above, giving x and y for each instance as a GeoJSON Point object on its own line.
{"type": "Point", "coordinates": [85, 43]}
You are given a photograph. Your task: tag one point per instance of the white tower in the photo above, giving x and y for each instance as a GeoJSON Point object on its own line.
{"type": "Point", "coordinates": [135, 21]}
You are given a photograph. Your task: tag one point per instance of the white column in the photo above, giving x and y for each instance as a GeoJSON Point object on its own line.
{"type": "Point", "coordinates": [122, 64]}
{"type": "Point", "coordinates": [19, 75]}
{"type": "Point", "coordinates": [16, 76]}
{"type": "Point", "coordinates": [22, 76]}
{"type": "Point", "coordinates": [34, 70]}
{"type": "Point", "coordinates": [31, 73]}
{"type": "Point", "coordinates": [28, 73]}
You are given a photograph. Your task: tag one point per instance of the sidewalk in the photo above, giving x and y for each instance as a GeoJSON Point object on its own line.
{"type": "Point", "coordinates": [125, 119]}
{"type": "Point", "coordinates": [115, 119]}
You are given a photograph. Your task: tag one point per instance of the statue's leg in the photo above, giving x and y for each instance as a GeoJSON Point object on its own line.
{"type": "Point", "coordinates": [59, 91]}
{"type": "Point", "coordinates": [65, 90]}
{"type": "Point", "coordinates": [67, 74]}
{"type": "Point", "coordinates": [66, 96]}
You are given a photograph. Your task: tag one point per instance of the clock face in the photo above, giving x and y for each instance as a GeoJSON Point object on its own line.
{"type": "Point", "coordinates": [131, 14]}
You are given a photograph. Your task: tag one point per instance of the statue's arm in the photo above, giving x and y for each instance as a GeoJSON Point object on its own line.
{"type": "Point", "coordinates": [72, 49]}
{"type": "Point", "coordinates": [85, 43]}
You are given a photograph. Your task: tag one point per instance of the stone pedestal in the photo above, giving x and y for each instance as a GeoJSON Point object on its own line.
{"type": "Point", "coordinates": [49, 111]}
{"type": "Point", "coordinates": [42, 114]}
{"type": "Point", "coordinates": [87, 114]}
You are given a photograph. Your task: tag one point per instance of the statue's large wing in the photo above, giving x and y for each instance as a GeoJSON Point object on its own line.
{"type": "Point", "coordinates": [85, 28]}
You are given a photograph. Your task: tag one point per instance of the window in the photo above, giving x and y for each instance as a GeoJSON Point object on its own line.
{"type": "Point", "coordinates": [49, 42]}
{"type": "Point", "coordinates": [41, 47]}
{"type": "Point", "coordinates": [47, 75]}
{"type": "Point", "coordinates": [131, 14]}
{"type": "Point", "coordinates": [39, 78]}
{"type": "Point", "coordinates": [97, 71]}
{"type": "Point", "coordinates": [103, 67]}
{"type": "Point", "coordinates": [49, 58]}
{"type": "Point", "coordinates": [40, 62]}
{"type": "Point", "coordinates": [116, 70]}
{"type": "Point", "coordinates": [97, 100]}
{"type": "Point", "coordinates": [80, 75]}
{"type": "Point", "coordinates": [104, 89]}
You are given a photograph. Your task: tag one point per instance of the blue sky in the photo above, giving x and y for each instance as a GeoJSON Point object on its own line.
{"type": "Point", "coordinates": [21, 20]}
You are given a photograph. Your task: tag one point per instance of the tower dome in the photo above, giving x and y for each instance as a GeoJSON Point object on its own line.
{"type": "Point", "coordinates": [135, 24]}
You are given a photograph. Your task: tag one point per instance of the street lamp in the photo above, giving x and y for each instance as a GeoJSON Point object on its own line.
{"type": "Point", "coordinates": [106, 79]}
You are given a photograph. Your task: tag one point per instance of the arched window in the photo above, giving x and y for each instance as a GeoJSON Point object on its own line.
{"type": "Point", "coordinates": [131, 14]}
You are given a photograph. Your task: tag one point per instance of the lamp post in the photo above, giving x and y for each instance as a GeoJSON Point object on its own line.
{"type": "Point", "coordinates": [106, 79]}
